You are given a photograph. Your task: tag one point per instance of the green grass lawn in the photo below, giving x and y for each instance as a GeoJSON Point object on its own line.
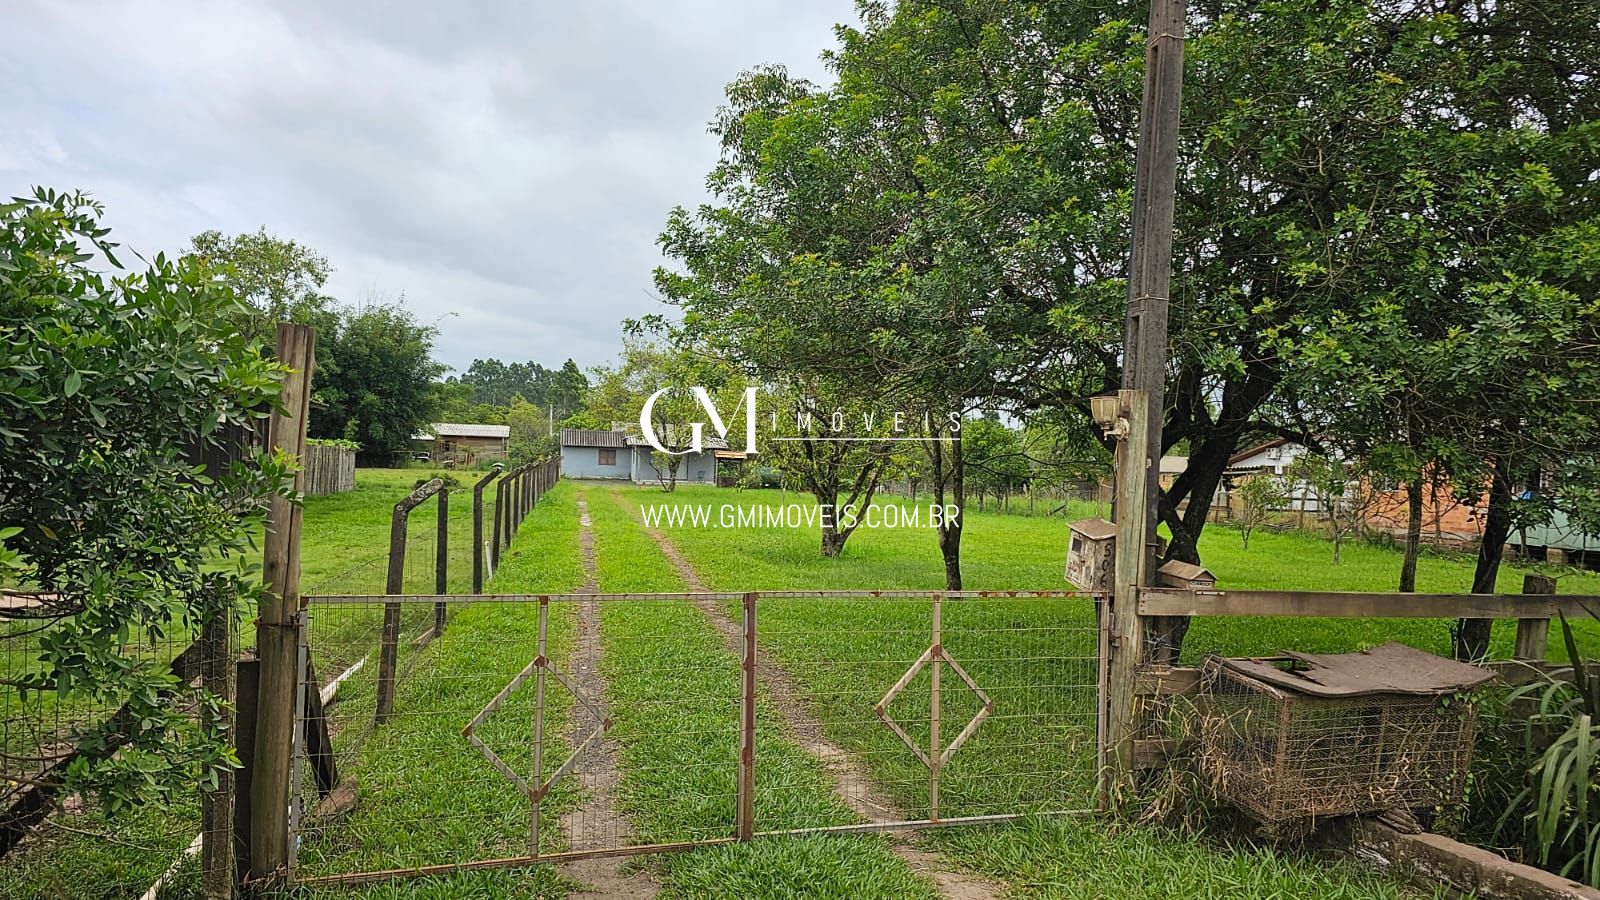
{"type": "Point", "coordinates": [846, 653]}
{"type": "Point", "coordinates": [344, 550]}
{"type": "Point", "coordinates": [675, 691]}
{"type": "Point", "coordinates": [1002, 551]}
{"type": "Point", "coordinates": [428, 798]}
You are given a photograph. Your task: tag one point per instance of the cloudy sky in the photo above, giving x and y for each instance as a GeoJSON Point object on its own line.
{"type": "Point", "coordinates": [506, 165]}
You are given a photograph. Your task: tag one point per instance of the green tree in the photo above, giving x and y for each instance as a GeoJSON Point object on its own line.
{"type": "Point", "coordinates": [381, 391]}
{"type": "Point", "coordinates": [281, 279]}
{"type": "Point", "coordinates": [952, 205]}
{"type": "Point", "coordinates": [530, 432]}
{"type": "Point", "coordinates": [566, 390]}
{"type": "Point", "coordinates": [1259, 495]}
{"type": "Point", "coordinates": [1342, 493]}
{"type": "Point", "coordinates": [456, 401]}
{"type": "Point", "coordinates": [497, 383]}
{"type": "Point", "coordinates": [106, 380]}
{"type": "Point", "coordinates": [843, 475]}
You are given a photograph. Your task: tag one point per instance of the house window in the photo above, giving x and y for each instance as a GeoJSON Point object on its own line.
{"type": "Point", "coordinates": [608, 456]}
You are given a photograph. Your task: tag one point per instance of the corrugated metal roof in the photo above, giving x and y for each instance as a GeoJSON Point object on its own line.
{"type": "Point", "coordinates": [707, 442]}
{"type": "Point", "coordinates": [583, 437]}
{"type": "Point", "coordinates": [455, 429]}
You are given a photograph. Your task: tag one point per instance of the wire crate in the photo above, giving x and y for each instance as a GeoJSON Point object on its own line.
{"type": "Point", "coordinates": [1299, 737]}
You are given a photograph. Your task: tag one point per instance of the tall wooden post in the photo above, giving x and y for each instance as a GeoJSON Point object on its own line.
{"type": "Point", "coordinates": [1126, 638]}
{"type": "Point", "coordinates": [277, 626]}
{"type": "Point", "coordinates": [389, 640]}
{"type": "Point", "coordinates": [499, 516]}
{"type": "Point", "coordinates": [1150, 251]}
{"type": "Point", "coordinates": [441, 559]}
{"type": "Point", "coordinates": [745, 799]}
{"type": "Point", "coordinates": [477, 528]}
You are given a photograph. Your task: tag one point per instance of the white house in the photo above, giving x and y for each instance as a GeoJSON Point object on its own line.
{"type": "Point", "coordinates": [1273, 457]}
{"type": "Point", "coordinates": [616, 454]}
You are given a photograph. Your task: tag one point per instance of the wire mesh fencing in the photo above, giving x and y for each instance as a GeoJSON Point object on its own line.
{"type": "Point", "coordinates": [934, 708]}
{"type": "Point", "coordinates": [552, 728]}
{"type": "Point", "coordinates": [548, 727]}
{"type": "Point", "coordinates": [49, 727]}
{"type": "Point", "coordinates": [1289, 759]}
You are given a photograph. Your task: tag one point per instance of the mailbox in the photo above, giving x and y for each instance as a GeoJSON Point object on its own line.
{"type": "Point", "coordinates": [1185, 576]}
{"type": "Point", "coordinates": [1091, 552]}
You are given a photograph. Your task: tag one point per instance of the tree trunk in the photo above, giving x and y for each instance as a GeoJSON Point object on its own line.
{"type": "Point", "coordinates": [1472, 635]}
{"type": "Point", "coordinates": [1408, 566]}
{"type": "Point", "coordinates": [949, 471]}
{"type": "Point", "coordinates": [1199, 482]}
{"type": "Point", "coordinates": [832, 541]}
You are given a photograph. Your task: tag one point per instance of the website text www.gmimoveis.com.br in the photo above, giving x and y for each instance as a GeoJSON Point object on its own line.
{"type": "Point", "coordinates": [798, 515]}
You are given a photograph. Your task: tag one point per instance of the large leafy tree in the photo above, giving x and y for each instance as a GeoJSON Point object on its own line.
{"type": "Point", "coordinates": [957, 203]}
{"type": "Point", "coordinates": [375, 366]}
{"type": "Point", "coordinates": [109, 380]}
{"type": "Point", "coordinates": [280, 279]}
{"type": "Point", "coordinates": [381, 392]}
{"type": "Point", "coordinates": [497, 383]}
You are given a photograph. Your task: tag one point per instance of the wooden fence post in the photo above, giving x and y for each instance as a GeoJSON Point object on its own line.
{"type": "Point", "coordinates": [441, 559]}
{"type": "Point", "coordinates": [499, 514]}
{"type": "Point", "coordinates": [389, 651]}
{"type": "Point", "coordinates": [216, 807]}
{"type": "Point", "coordinates": [745, 812]}
{"type": "Point", "coordinates": [477, 528]}
{"type": "Point", "coordinates": [527, 492]}
{"type": "Point", "coordinates": [1126, 639]}
{"type": "Point", "coordinates": [1533, 635]}
{"type": "Point", "coordinates": [246, 681]}
{"type": "Point", "coordinates": [395, 583]}
{"type": "Point", "coordinates": [278, 624]}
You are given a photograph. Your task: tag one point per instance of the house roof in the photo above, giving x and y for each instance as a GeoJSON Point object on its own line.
{"type": "Point", "coordinates": [1243, 455]}
{"type": "Point", "coordinates": [456, 429]}
{"type": "Point", "coordinates": [674, 436]}
{"type": "Point", "coordinates": [586, 437]}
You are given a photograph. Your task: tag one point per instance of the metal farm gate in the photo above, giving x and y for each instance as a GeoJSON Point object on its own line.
{"type": "Point", "coordinates": [550, 728]}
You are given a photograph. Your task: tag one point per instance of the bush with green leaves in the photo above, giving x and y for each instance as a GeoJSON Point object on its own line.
{"type": "Point", "coordinates": [1538, 775]}
{"type": "Point", "coordinates": [111, 381]}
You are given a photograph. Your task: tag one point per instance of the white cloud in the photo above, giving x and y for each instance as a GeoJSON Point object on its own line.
{"type": "Point", "coordinates": [505, 162]}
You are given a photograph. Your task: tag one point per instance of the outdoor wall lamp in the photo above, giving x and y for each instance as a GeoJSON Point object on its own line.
{"type": "Point", "coordinates": [1107, 413]}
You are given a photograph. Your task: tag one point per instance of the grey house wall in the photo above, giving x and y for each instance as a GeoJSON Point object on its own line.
{"type": "Point", "coordinates": [584, 462]}
{"type": "Point", "coordinates": [696, 468]}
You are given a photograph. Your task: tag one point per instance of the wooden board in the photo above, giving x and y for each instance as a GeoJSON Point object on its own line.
{"type": "Point", "coordinates": [1339, 604]}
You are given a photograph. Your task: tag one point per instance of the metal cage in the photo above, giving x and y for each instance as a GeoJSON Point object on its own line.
{"type": "Point", "coordinates": [1284, 756]}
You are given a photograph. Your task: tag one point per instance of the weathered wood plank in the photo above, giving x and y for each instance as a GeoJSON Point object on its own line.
{"type": "Point", "coordinates": [277, 627]}
{"type": "Point", "coordinates": [1351, 604]}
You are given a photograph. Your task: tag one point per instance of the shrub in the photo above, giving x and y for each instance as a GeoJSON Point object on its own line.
{"type": "Point", "coordinates": [107, 384]}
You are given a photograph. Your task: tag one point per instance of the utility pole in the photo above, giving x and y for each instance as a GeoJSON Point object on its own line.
{"type": "Point", "coordinates": [1144, 365]}
{"type": "Point", "coordinates": [1135, 413]}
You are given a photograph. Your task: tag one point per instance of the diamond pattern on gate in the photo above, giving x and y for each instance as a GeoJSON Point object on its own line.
{"type": "Point", "coordinates": [934, 652]}
{"type": "Point", "coordinates": [535, 793]}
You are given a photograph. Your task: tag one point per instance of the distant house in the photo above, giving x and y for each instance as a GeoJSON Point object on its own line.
{"type": "Point", "coordinates": [1273, 457]}
{"type": "Point", "coordinates": [616, 454]}
{"type": "Point", "coordinates": [455, 443]}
